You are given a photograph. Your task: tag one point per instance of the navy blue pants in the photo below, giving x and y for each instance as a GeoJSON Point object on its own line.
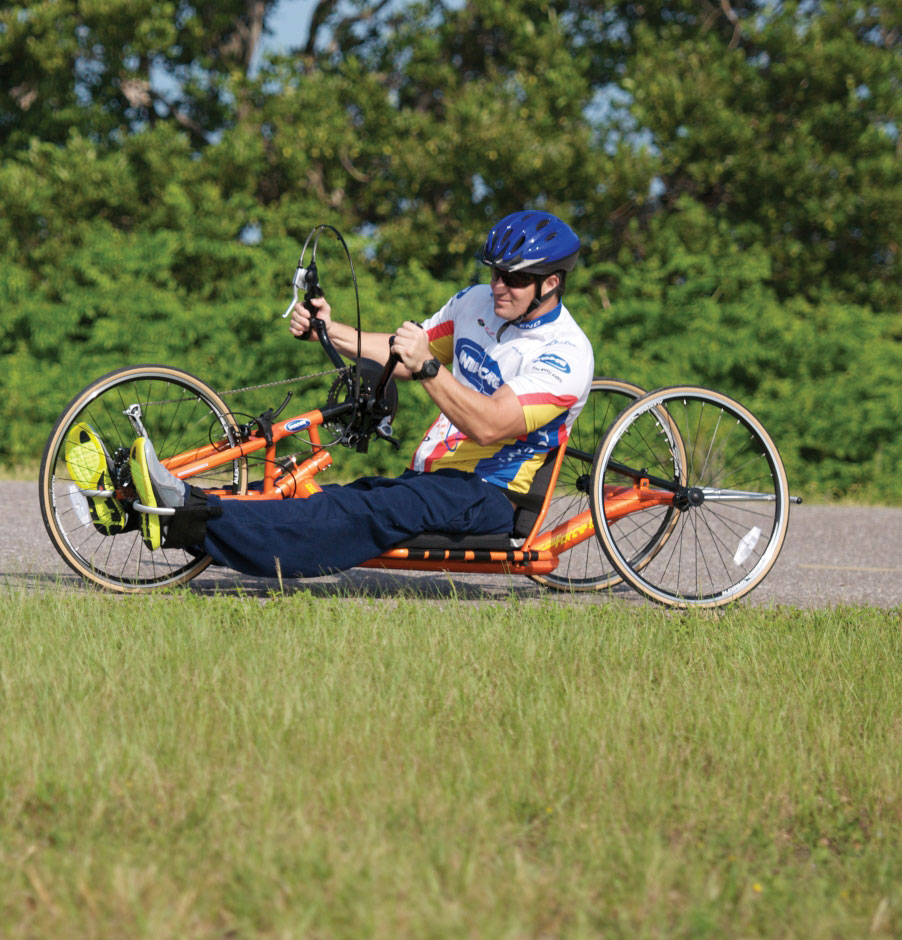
{"type": "Point", "coordinates": [346, 525]}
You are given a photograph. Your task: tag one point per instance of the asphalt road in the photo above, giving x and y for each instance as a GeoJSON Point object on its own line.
{"type": "Point", "coordinates": [833, 555]}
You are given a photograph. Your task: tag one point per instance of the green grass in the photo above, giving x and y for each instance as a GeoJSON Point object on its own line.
{"type": "Point", "coordinates": [184, 766]}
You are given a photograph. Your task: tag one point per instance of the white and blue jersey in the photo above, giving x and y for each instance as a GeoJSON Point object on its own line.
{"type": "Point", "coordinates": [547, 362]}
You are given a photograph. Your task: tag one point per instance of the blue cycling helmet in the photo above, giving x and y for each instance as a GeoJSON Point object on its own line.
{"type": "Point", "coordinates": [533, 242]}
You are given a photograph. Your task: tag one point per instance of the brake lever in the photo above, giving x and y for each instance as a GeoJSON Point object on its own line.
{"type": "Point", "coordinates": [299, 281]}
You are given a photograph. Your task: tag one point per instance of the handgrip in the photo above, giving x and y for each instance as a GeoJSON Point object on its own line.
{"type": "Point", "coordinates": [315, 291]}
{"type": "Point", "coordinates": [393, 360]}
{"type": "Point", "coordinates": [309, 279]}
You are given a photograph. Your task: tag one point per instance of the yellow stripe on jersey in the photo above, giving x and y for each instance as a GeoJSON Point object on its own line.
{"type": "Point", "coordinates": [441, 342]}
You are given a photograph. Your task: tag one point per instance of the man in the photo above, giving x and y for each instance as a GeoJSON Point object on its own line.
{"type": "Point", "coordinates": [509, 370]}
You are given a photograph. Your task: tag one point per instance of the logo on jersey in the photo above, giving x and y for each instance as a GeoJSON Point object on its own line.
{"type": "Point", "coordinates": [482, 323]}
{"type": "Point", "coordinates": [478, 367]}
{"type": "Point", "coordinates": [556, 362]}
{"type": "Point", "coordinates": [543, 320]}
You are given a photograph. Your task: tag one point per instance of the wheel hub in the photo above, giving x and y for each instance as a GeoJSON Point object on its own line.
{"type": "Point", "coordinates": [688, 498]}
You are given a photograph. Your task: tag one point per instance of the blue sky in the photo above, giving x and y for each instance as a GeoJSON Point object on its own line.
{"type": "Point", "coordinates": [289, 24]}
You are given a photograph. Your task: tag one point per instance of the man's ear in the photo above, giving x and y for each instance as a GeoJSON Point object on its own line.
{"type": "Point", "coordinates": [552, 282]}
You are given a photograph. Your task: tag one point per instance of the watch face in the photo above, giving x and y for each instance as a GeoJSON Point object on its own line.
{"type": "Point", "coordinates": [429, 370]}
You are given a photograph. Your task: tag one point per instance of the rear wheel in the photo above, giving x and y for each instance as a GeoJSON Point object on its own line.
{"type": "Point", "coordinates": [730, 497]}
{"type": "Point", "coordinates": [179, 412]}
{"type": "Point", "coordinates": [585, 567]}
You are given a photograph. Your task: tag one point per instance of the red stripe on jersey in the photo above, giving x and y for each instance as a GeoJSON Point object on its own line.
{"type": "Point", "coordinates": [441, 450]}
{"type": "Point", "coordinates": [545, 398]}
{"type": "Point", "coordinates": [442, 329]}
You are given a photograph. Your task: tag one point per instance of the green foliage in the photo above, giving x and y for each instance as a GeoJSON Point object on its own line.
{"type": "Point", "coordinates": [822, 377]}
{"type": "Point", "coordinates": [734, 170]}
{"type": "Point", "coordinates": [88, 65]}
{"type": "Point", "coordinates": [789, 132]}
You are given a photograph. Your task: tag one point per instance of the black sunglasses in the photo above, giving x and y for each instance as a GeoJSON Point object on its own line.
{"type": "Point", "coordinates": [515, 279]}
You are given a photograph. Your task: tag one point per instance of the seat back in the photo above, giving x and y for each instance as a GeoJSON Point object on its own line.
{"type": "Point", "coordinates": [530, 504]}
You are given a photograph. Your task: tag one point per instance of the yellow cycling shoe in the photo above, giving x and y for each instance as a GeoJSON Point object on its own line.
{"type": "Point", "coordinates": [156, 487]}
{"type": "Point", "coordinates": [151, 531]}
{"type": "Point", "coordinates": [88, 464]}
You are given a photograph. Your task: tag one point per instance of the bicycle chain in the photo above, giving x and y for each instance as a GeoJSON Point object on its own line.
{"type": "Point", "coordinates": [246, 388]}
{"type": "Point", "coordinates": [298, 378]}
{"type": "Point", "coordinates": [252, 388]}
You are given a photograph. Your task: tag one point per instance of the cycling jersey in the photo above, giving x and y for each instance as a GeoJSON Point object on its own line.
{"type": "Point", "coordinates": [547, 362]}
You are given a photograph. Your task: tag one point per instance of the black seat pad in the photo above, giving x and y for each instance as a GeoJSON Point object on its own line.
{"type": "Point", "coordinates": [460, 541]}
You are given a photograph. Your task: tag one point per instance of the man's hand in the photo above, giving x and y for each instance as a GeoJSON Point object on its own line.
{"type": "Point", "coordinates": [301, 317]}
{"type": "Point", "coordinates": [412, 345]}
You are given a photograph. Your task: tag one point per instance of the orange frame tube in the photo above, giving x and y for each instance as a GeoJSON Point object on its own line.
{"type": "Point", "coordinates": [288, 484]}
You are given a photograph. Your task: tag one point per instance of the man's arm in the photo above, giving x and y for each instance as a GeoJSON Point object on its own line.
{"type": "Point", "coordinates": [344, 336]}
{"type": "Point", "coordinates": [485, 419]}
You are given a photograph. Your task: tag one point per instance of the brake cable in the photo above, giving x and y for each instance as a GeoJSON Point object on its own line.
{"type": "Point", "coordinates": [308, 278]}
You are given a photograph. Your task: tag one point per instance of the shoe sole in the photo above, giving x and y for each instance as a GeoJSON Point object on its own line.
{"type": "Point", "coordinates": [88, 464]}
{"type": "Point", "coordinates": [151, 530]}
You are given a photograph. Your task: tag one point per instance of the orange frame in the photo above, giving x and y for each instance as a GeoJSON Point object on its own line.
{"type": "Point", "coordinates": [538, 554]}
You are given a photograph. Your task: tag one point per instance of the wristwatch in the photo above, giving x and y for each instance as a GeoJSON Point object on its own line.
{"type": "Point", "coordinates": [429, 370]}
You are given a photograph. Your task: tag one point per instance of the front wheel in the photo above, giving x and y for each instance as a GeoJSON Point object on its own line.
{"type": "Point", "coordinates": [730, 497]}
{"type": "Point", "coordinates": [179, 412]}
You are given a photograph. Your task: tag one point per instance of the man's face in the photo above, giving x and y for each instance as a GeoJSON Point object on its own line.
{"type": "Point", "coordinates": [513, 293]}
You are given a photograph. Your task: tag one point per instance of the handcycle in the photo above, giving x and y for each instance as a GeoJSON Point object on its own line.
{"type": "Point", "coordinates": [680, 492]}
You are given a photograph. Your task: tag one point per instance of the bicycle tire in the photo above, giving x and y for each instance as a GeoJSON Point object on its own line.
{"type": "Point", "coordinates": [585, 567]}
{"type": "Point", "coordinates": [179, 412]}
{"type": "Point", "coordinates": [733, 515]}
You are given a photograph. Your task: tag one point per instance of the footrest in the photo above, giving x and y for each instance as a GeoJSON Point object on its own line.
{"type": "Point", "coordinates": [153, 510]}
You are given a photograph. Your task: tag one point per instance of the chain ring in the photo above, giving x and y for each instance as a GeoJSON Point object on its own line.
{"type": "Point", "coordinates": [344, 383]}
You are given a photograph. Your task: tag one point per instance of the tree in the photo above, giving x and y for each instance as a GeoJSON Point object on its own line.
{"type": "Point", "coordinates": [785, 122]}
{"type": "Point", "coordinates": [101, 66]}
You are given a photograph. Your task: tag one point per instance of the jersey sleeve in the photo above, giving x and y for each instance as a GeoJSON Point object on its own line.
{"type": "Point", "coordinates": [440, 329]}
{"type": "Point", "coordinates": [554, 383]}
